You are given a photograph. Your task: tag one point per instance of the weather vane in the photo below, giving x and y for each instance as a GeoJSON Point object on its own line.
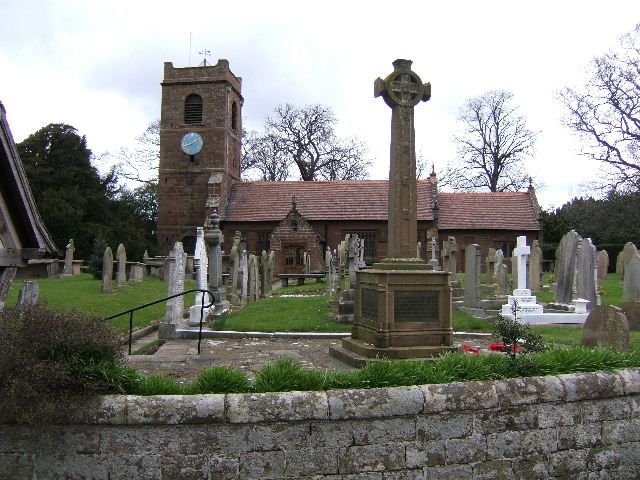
{"type": "Point", "coordinates": [206, 53]}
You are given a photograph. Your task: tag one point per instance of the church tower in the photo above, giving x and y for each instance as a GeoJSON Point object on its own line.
{"type": "Point", "coordinates": [200, 137]}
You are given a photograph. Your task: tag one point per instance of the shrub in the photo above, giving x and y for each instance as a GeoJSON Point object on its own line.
{"type": "Point", "coordinates": [44, 352]}
{"type": "Point", "coordinates": [518, 339]}
{"type": "Point", "coordinates": [94, 263]}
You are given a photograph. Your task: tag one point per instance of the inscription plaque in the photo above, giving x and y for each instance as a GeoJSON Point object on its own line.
{"type": "Point", "coordinates": [369, 304]}
{"type": "Point", "coordinates": [416, 307]}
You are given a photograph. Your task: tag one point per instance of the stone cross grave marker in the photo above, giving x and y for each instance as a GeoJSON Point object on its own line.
{"type": "Point", "coordinates": [499, 261]}
{"type": "Point", "coordinates": [121, 265]}
{"type": "Point", "coordinates": [434, 260]}
{"type": "Point", "coordinates": [521, 252]}
{"type": "Point", "coordinates": [107, 270]}
{"type": "Point", "coordinates": [402, 90]}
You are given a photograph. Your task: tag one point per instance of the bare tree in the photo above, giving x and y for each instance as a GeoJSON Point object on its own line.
{"type": "Point", "coordinates": [491, 147]}
{"type": "Point", "coordinates": [305, 137]}
{"type": "Point", "coordinates": [262, 154]}
{"type": "Point", "coordinates": [605, 113]}
{"type": "Point", "coordinates": [140, 163]}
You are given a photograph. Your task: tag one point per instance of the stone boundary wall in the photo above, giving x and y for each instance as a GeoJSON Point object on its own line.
{"type": "Point", "coordinates": [568, 426]}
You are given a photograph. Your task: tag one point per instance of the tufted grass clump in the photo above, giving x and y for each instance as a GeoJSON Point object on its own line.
{"type": "Point", "coordinates": [220, 380]}
{"type": "Point", "coordinates": [157, 385]}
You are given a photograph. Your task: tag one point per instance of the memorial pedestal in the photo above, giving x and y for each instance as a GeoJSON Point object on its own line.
{"type": "Point", "coordinates": [399, 314]}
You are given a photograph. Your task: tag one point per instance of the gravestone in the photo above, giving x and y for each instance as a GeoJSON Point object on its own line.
{"type": "Point", "coordinates": [403, 309]}
{"type": "Point", "coordinates": [606, 326]}
{"type": "Point", "coordinates": [585, 272]}
{"type": "Point", "coordinates": [450, 255]}
{"type": "Point", "coordinates": [234, 269]}
{"type": "Point", "coordinates": [435, 265]}
{"type": "Point", "coordinates": [67, 270]}
{"type": "Point", "coordinates": [632, 278]}
{"type": "Point", "coordinates": [490, 262]}
{"type": "Point", "coordinates": [522, 301]}
{"type": "Point", "coordinates": [107, 271]}
{"type": "Point", "coordinates": [352, 257]}
{"type": "Point", "coordinates": [272, 268]}
{"type": "Point", "coordinates": [360, 263]}
{"type": "Point", "coordinates": [201, 267]}
{"type": "Point", "coordinates": [174, 273]}
{"type": "Point", "coordinates": [603, 265]}
{"type": "Point", "coordinates": [565, 268]}
{"type": "Point", "coordinates": [213, 239]}
{"type": "Point", "coordinates": [499, 261]}
{"type": "Point", "coordinates": [631, 310]}
{"type": "Point", "coordinates": [266, 276]}
{"type": "Point", "coordinates": [535, 266]}
{"type": "Point", "coordinates": [624, 256]}
{"type": "Point", "coordinates": [7, 274]}
{"type": "Point", "coordinates": [472, 275]}
{"type": "Point", "coordinates": [28, 294]}
{"type": "Point", "coordinates": [501, 278]}
{"type": "Point", "coordinates": [251, 292]}
{"type": "Point", "coordinates": [243, 274]}
{"type": "Point", "coordinates": [330, 278]}
{"type": "Point", "coordinates": [419, 250]}
{"type": "Point", "coordinates": [121, 265]}
{"type": "Point", "coordinates": [306, 258]}
{"type": "Point", "coordinates": [136, 273]}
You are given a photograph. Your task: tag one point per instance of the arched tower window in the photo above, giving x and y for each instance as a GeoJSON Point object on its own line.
{"type": "Point", "coordinates": [193, 109]}
{"type": "Point", "coordinates": [234, 116]}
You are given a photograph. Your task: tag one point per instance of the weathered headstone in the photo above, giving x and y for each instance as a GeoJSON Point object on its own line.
{"type": "Point", "coordinates": [234, 266]}
{"type": "Point", "coordinates": [352, 257]}
{"type": "Point", "coordinates": [330, 274]}
{"type": "Point", "coordinates": [272, 269]}
{"type": "Point", "coordinates": [254, 279]}
{"type": "Point", "coordinates": [565, 268]}
{"type": "Point", "coordinates": [243, 273]}
{"type": "Point", "coordinates": [501, 278]}
{"type": "Point", "coordinates": [7, 274]}
{"type": "Point", "coordinates": [266, 275]}
{"type": "Point", "coordinates": [28, 294]}
{"type": "Point", "coordinates": [450, 255]}
{"type": "Point", "coordinates": [624, 257]}
{"type": "Point", "coordinates": [176, 264]}
{"type": "Point", "coordinates": [121, 265]}
{"type": "Point", "coordinates": [201, 267]}
{"type": "Point", "coordinates": [107, 271]}
{"type": "Point", "coordinates": [603, 265]}
{"type": "Point", "coordinates": [136, 274]}
{"type": "Point", "coordinates": [535, 267]}
{"type": "Point", "coordinates": [472, 262]}
{"type": "Point", "coordinates": [631, 310]}
{"type": "Point", "coordinates": [490, 262]}
{"type": "Point", "coordinates": [585, 272]}
{"type": "Point", "coordinates": [68, 259]}
{"type": "Point", "coordinates": [499, 261]}
{"type": "Point", "coordinates": [632, 278]}
{"type": "Point", "coordinates": [606, 326]}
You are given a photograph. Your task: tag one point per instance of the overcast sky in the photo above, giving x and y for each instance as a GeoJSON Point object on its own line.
{"type": "Point", "coordinates": [98, 65]}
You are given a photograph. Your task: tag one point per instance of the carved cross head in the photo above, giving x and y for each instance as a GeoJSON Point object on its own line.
{"type": "Point", "coordinates": [402, 87]}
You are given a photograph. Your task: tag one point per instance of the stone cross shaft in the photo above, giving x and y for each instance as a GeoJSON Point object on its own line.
{"type": "Point", "coordinates": [402, 90]}
{"type": "Point", "coordinates": [521, 252]}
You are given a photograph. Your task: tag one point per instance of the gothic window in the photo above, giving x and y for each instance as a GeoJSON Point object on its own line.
{"type": "Point", "coordinates": [193, 109]}
{"type": "Point", "coordinates": [294, 256]}
{"type": "Point", "coordinates": [234, 116]}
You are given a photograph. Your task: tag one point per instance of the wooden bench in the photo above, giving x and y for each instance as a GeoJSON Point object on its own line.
{"type": "Point", "coordinates": [301, 277]}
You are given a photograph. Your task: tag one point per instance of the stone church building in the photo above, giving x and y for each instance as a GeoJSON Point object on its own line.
{"type": "Point", "coordinates": [200, 150]}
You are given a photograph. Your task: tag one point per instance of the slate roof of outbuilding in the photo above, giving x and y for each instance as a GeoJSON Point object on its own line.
{"type": "Point", "coordinates": [367, 200]}
{"type": "Point", "coordinates": [323, 200]}
{"type": "Point", "coordinates": [487, 210]}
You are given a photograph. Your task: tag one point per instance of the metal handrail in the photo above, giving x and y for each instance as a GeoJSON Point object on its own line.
{"type": "Point", "coordinates": [202, 307]}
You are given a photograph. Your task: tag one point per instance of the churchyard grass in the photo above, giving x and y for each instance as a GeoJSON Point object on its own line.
{"type": "Point", "coordinates": [310, 285]}
{"type": "Point", "coordinates": [277, 314]}
{"type": "Point", "coordinates": [82, 293]}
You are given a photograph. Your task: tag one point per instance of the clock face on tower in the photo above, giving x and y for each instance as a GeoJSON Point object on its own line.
{"type": "Point", "coordinates": [191, 143]}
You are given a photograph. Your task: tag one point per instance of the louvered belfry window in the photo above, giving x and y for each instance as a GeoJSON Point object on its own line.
{"type": "Point", "coordinates": [193, 109]}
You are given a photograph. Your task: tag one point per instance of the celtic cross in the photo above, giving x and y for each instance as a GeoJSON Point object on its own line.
{"type": "Point", "coordinates": [402, 90]}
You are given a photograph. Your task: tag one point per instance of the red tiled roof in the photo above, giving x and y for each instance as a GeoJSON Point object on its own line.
{"type": "Point", "coordinates": [486, 211]}
{"type": "Point", "coordinates": [323, 200]}
{"type": "Point", "coordinates": [367, 200]}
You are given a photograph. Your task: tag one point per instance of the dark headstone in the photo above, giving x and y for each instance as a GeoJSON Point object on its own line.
{"type": "Point", "coordinates": [631, 310]}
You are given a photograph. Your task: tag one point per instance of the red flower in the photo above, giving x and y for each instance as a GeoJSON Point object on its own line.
{"type": "Point", "coordinates": [470, 349]}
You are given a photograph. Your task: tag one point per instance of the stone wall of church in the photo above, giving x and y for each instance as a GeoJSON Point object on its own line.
{"type": "Point", "coordinates": [567, 426]}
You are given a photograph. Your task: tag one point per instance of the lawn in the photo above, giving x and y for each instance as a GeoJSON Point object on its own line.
{"type": "Point", "coordinates": [83, 292]}
{"type": "Point", "coordinates": [289, 314]}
